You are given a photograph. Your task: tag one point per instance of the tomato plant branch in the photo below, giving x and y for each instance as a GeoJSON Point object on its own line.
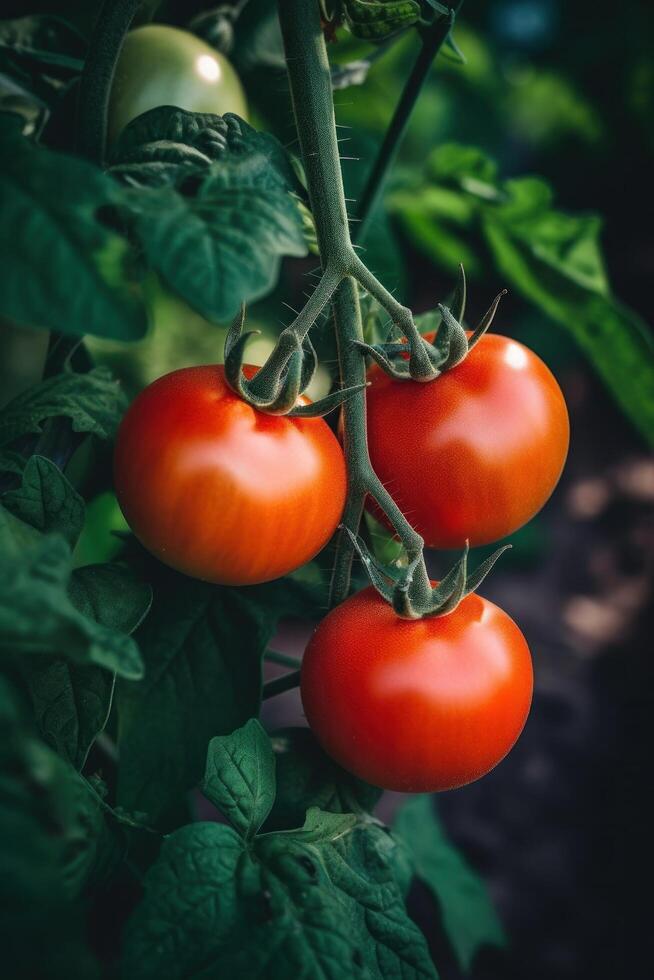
{"type": "Point", "coordinates": [401, 316]}
{"type": "Point", "coordinates": [111, 26]}
{"type": "Point", "coordinates": [290, 340]}
{"type": "Point", "coordinates": [433, 38]}
{"type": "Point", "coordinates": [349, 328]}
{"type": "Point", "coordinates": [311, 91]}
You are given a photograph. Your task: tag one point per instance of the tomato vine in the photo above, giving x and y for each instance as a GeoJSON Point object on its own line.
{"type": "Point", "coordinates": [343, 273]}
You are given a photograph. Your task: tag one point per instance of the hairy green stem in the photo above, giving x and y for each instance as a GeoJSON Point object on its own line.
{"type": "Point", "coordinates": [433, 39]}
{"type": "Point", "coordinates": [109, 32]}
{"type": "Point", "coordinates": [311, 92]}
{"type": "Point", "coordinates": [292, 335]}
{"type": "Point", "coordinates": [349, 328]}
{"type": "Point", "coordinates": [401, 316]}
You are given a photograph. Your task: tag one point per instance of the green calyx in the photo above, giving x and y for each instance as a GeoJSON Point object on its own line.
{"type": "Point", "coordinates": [417, 359]}
{"type": "Point", "coordinates": [276, 388]}
{"type": "Point", "coordinates": [395, 584]}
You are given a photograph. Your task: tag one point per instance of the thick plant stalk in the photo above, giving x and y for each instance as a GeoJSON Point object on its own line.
{"type": "Point", "coordinates": [311, 91]}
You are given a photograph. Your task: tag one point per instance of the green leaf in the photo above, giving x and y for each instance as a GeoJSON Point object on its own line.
{"type": "Point", "coordinates": [224, 246]}
{"type": "Point", "coordinates": [71, 701]}
{"type": "Point", "coordinates": [307, 777]}
{"type": "Point", "coordinates": [164, 145]}
{"type": "Point", "coordinates": [197, 869]}
{"type": "Point", "coordinates": [320, 901]}
{"type": "Point", "coordinates": [469, 919]}
{"type": "Point", "coordinates": [320, 827]}
{"type": "Point", "coordinates": [403, 865]}
{"type": "Point", "coordinates": [61, 268]}
{"type": "Point", "coordinates": [240, 777]}
{"type": "Point", "coordinates": [567, 243]}
{"type": "Point", "coordinates": [37, 616]}
{"type": "Point", "coordinates": [46, 500]}
{"type": "Point", "coordinates": [15, 535]}
{"type": "Point", "coordinates": [218, 241]}
{"type": "Point", "coordinates": [458, 163]}
{"type": "Point", "coordinates": [112, 594]}
{"type": "Point", "coordinates": [93, 402]}
{"type": "Point", "coordinates": [49, 826]}
{"type": "Point", "coordinates": [86, 825]}
{"type": "Point", "coordinates": [437, 220]}
{"type": "Point", "coordinates": [202, 647]}
{"type": "Point", "coordinates": [376, 20]}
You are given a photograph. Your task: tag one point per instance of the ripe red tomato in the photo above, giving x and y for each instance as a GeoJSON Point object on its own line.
{"type": "Point", "coordinates": [475, 453]}
{"type": "Point", "coordinates": [416, 705]}
{"type": "Point", "coordinates": [221, 491]}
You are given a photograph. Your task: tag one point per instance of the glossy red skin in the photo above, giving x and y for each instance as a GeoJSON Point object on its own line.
{"type": "Point", "coordinates": [475, 453]}
{"type": "Point", "coordinates": [417, 706]}
{"type": "Point", "coordinates": [220, 491]}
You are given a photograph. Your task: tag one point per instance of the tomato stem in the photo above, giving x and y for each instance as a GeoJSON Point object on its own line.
{"type": "Point", "coordinates": [281, 684]}
{"type": "Point", "coordinates": [112, 24]}
{"type": "Point", "coordinates": [282, 659]}
{"type": "Point", "coordinates": [433, 38]}
{"type": "Point", "coordinates": [267, 381]}
{"type": "Point", "coordinates": [402, 317]}
{"type": "Point", "coordinates": [313, 107]}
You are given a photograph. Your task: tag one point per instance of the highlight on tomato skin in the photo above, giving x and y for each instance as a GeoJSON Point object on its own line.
{"type": "Point", "coordinates": [417, 706]}
{"type": "Point", "coordinates": [220, 491]}
{"type": "Point", "coordinates": [484, 448]}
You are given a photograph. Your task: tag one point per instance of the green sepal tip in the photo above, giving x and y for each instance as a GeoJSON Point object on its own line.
{"type": "Point", "coordinates": [394, 585]}
{"type": "Point", "coordinates": [416, 359]}
{"type": "Point", "coordinates": [277, 386]}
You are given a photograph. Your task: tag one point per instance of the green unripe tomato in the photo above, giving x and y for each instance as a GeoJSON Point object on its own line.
{"type": "Point", "coordinates": [162, 65]}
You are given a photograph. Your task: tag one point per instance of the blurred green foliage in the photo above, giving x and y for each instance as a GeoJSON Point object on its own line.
{"type": "Point", "coordinates": [565, 91]}
{"type": "Point", "coordinates": [542, 91]}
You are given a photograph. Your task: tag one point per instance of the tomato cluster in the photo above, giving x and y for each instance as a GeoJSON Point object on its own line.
{"type": "Point", "coordinates": [228, 494]}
